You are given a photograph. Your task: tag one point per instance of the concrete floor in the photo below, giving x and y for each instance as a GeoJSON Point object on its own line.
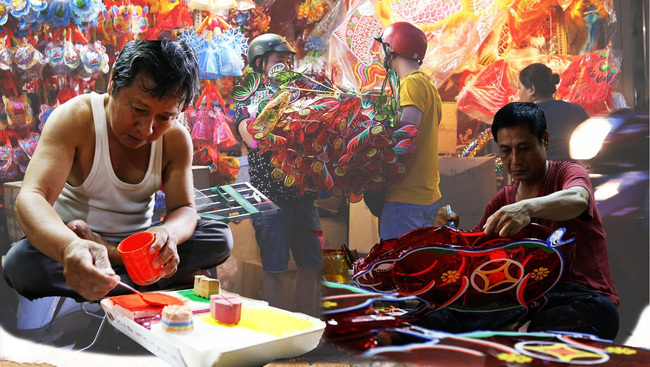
{"type": "Point", "coordinates": [22, 351]}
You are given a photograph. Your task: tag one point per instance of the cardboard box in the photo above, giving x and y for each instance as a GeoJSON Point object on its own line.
{"type": "Point", "coordinates": [201, 176]}
{"type": "Point", "coordinates": [333, 204]}
{"type": "Point", "coordinates": [254, 275]}
{"type": "Point", "coordinates": [245, 248]}
{"type": "Point", "coordinates": [335, 231]}
{"type": "Point", "coordinates": [467, 184]}
{"type": "Point", "coordinates": [242, 175]}
{"type": "Point", "coordinates": [363, 232]}
{"type": "Point", "coordinates": [11, 190]}
{"type": "Point", "coordinates": [447, 129]}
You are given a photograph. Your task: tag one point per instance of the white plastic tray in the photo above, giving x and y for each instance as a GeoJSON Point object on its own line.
{"type": "Point", "coordinates": [216, 345]}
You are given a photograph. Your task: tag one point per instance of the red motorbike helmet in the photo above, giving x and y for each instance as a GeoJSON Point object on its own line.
{"type": "Point", "coordinates": [404, 39]}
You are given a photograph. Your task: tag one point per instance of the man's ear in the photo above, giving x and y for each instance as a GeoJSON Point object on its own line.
{"type": "Point", "coordinates": [259, 63]}
{"type": "Point", "coordinates": [109, 89]}
{"type": "Point", "coordinates": [545, 140]}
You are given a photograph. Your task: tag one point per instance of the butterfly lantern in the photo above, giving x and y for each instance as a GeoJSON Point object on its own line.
{"type": "Point", "coordinates": [28, 12]}
{"type": "Point", "coordinates": [44, 114]}
{"type": "Point", "coordinates": [26, 56]}
{"type": "Point", "coordinates": [63, 56]}
{"type": "Point", "coordinates": [6, 54]}
{"type": "Point", "coordinates": [23, 153]}
{"type": "Point", "coordinates": [19, 112]}
{"type": "Point", "coordinates": [94, 59]}
{"type": "Point", "coordinates": [8, 169]}
{"type": "Point", "coordinates": [86, 12]}
{"type": "Point", "coordinates": [130, 19]}
{"type": "Point", "coordinates": [4, 12]}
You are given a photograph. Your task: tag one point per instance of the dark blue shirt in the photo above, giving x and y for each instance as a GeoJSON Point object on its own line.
{"type": "Point", "coordinates": [561, 119]}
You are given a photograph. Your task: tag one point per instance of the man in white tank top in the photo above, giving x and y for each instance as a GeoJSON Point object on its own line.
{"type": "Point", "coordinates": [93, 178]}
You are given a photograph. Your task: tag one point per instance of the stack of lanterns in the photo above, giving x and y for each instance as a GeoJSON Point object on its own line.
{"type": "Point", "coordinates": [322, 140]}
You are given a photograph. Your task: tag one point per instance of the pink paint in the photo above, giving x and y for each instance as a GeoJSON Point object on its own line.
{"type": "Point", "coordinates": [225, 308]}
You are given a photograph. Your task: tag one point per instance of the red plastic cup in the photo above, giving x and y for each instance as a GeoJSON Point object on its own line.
{"type": "Point", "coordinates": [134, 251]}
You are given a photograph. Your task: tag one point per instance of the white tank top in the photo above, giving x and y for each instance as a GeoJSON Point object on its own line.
{"type": "Point", "coordinates": [111, 207]}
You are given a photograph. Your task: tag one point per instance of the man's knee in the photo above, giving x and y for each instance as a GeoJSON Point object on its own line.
{"type": "Point", "coordinates": [15, 263]}
{"type": "Point", "coordinates": [26, 269]}
{"type": "Point", "coordinates": [212, 243]}
{"type": "Point", "coordinates": [442, 320]}
{"type": "Point", "coordinates": [216, 232]}
{"type": "Point", "coordinates": [590, 314]}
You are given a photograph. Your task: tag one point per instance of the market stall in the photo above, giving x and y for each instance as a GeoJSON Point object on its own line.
{"type": "Point", "coordinates": [330, 126]}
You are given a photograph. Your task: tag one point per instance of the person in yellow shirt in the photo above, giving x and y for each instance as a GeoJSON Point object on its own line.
{"type": "Point", "coordinates": [411, 200]}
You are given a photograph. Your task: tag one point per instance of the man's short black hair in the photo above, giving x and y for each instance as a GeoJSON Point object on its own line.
{"type": "Point", "coordinates": [172, 65]}
{"type": "Point", "coordinates": [520, 113]}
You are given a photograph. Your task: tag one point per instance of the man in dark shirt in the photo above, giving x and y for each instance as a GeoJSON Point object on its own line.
{"type": "Point", "coordinates": [556, 195]}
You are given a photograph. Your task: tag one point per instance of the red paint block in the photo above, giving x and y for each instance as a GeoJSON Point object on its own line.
{"type": "Point", "coordinates": [225, 308]}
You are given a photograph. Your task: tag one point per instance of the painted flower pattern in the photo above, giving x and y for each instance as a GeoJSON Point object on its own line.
{"type": "Point", "coordinates": [540, 273]}
{"type": "Point", "coordinates": [450, 276]}
{"type": "Point", "coordinates": [513, 358]}
{"type": "Point", "coordinates": [620, 350]}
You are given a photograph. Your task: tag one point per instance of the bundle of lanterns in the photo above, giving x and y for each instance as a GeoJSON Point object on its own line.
{"type": "Point", "coordinates": [250, 20]}
{"type": "Point", "coordinates": [16, 127]}
{"type": "Point", "coordinates": [57, 13]}
{"type": "Point", "coordinates": [312, 11]}
{"type": "Point", "coordinates": [27, 46]}
{"type": "Point", "coordinates": [321, 139]}
{"type": "Point", "coordinates": [219, 49]}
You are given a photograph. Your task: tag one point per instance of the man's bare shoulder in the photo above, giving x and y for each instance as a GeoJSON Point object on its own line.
{"type": "Point", "coordinates": [75, 114]}
{"type": "Point", "coordinates": [177, 135]}
{"type": "Point", "coordinates": [176, 140]}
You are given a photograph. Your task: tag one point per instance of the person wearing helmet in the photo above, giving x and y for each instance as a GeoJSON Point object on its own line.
{"type": "Point", "coordinates": [411, 200]}
{"type": "Point", "coordinates": [296, 227]}
{"type": "Point", "coordinates": [270, 49]}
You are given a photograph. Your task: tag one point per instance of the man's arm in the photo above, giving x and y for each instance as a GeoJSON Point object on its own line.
{"type": "Point", "coordinates": [446, 216]}
{"type": "Point", "coordinates": [86, 265]}
{"type": "Point", "coordinates": [180, 217]}
{"type": "Point", "coordinates": [245, 135]}
{"type": "Point", "coordinates": [561, 205]}
{"type": "Point", "coordinates": [411, 115]}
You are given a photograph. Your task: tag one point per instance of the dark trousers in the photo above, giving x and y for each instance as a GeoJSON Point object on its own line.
{"type": "Point", "coordinates": [34, 275]}
{"type": "Point", "coordinates": [570, 308]}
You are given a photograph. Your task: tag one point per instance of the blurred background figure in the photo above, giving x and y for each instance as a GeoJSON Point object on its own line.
{"type": "Point", "coordinates": [615, 147]}
{"type": "Point", "coordinates": [537, 84]}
